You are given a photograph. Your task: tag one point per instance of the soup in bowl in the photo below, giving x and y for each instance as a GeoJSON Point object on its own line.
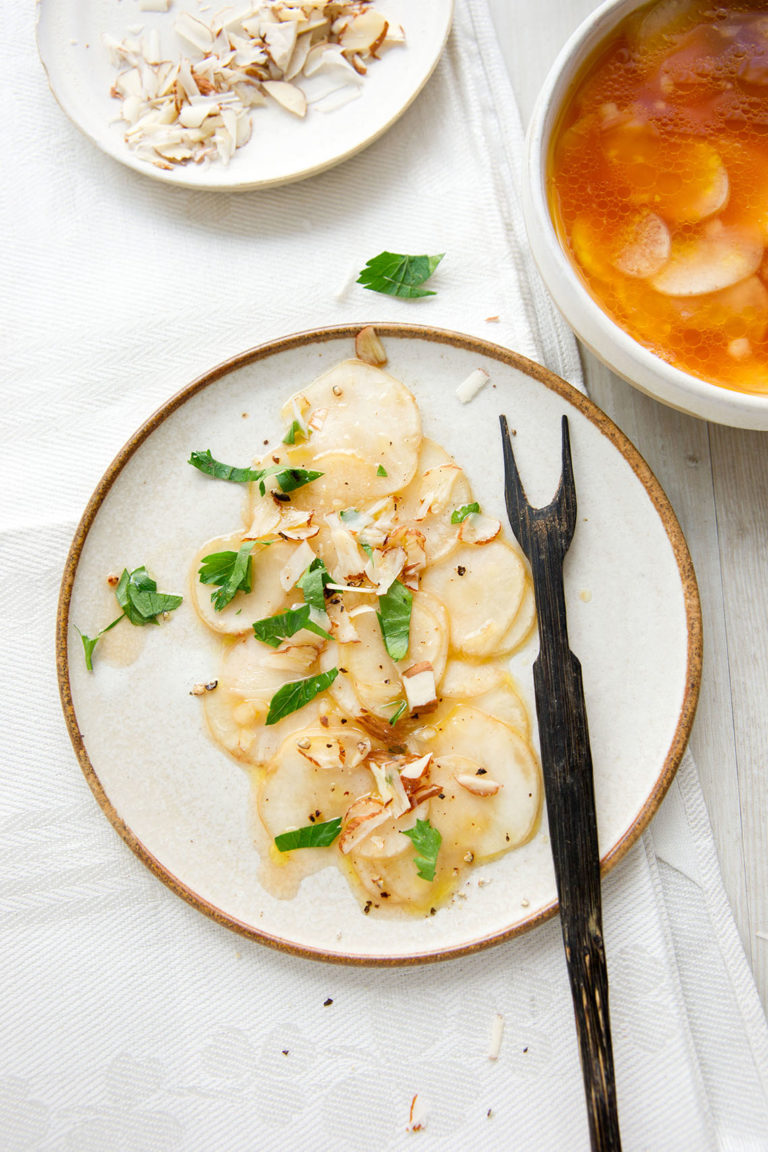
{"type": "Point", "coordinates": [647, 199]}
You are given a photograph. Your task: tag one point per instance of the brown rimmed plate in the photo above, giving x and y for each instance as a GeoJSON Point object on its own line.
{"type": "Point", "coordinates": [182, 805]}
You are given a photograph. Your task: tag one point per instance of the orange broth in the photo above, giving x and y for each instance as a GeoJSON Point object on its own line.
{"type": "Point", "coordinates": [658, 185]}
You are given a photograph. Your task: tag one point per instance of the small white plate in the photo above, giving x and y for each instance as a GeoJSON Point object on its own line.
{"type": "Point", "coordinates": [182, 804]}
{"type": "Point", "coordinates": [282, 148]}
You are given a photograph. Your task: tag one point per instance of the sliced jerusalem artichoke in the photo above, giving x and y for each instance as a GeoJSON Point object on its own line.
{"type": "Point", "coordinates": [266, 597]}
{"type": "Point", "coordinates": [250, 675]}
{"type": "Point", "coordinates": [713, 259]}
{"type": "Point", "coordinates": [295, 791]}
{"type": "Point", "coordinates": [369, 412]}
{"type": "Point", "coordinates": [468, 745]}
{"type": "Point", "coordinates": [488, 687]}
{"type": "Point", "coordinates": [438, 488]}
{"type": "Point", "coordinates": [482, 588]}
{"type": "Point", "coordinates": [643, 245]}
{"type": "Point", "coordinates": [375, 676]}
{"type": "Point", "coordinates": [383, 862]}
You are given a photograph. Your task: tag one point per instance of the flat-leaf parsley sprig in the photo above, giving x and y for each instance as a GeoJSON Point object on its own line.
{"type": "Point", "coordinates": [397, 275]}
{"type": "Point", "coordinates": [141, 603]}
{"type": "Point", "coordinates": [288, 479]}
{"type": "Point", "coordinates": [426, 840]}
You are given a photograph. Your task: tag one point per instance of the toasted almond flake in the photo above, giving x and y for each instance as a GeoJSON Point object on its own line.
{"type": "Point", "coordinates": [420, 689]}
{"type": "Point", "coordinates": [390, 786]}
{"type": "Point", "coordinates": [365, 33]}
{"type": "Point", "coordinates": [477, 528]}
{"type": "Point", "coordinates": [415, 769]}
{"type": "Point", "coordinates": [287, 95]}
{"type": "Point", "coordinates": [473, 384]}
{"type": "Point", "coordinates": [368, 347]}
{"type": "Point", "coordinates": [194, 32]}
{"type": "Point", "coordinates": [497, 1035]}
{"type": "Point", "coordinates": [361, 818]}
{"type": "Point", "coordinates": [418, 1115]}
{"type": "Point", "coordinates": [384, 567]}
{"type": "Point", "coordinates": [296, 566]}
{"type": "Point", "coordinates": [154, 5]}
{"type": "Point", "coordinates": [477, 785]}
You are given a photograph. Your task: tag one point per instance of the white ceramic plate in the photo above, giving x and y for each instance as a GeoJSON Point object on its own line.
{"type": "Point", "coordinates": [183, 805]}
{"type": "Point", "coordinates": [282, 148]}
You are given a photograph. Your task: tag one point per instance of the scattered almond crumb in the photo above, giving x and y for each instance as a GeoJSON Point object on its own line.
{"type": "Point", "coordinates": [473, 384]}
{"type": "Point", "coordinates": [201, 689]}
{"type": "Point", "coordinates": [497, 1033]}
{"type": "Point", "coordinates": [417, 1117]}
{"type": "Point", "coordinates": [492, 319]}
{"type": "Point", "coordinates": [585, 595]}
{"type": "Point", "coordinates": [525, 902]}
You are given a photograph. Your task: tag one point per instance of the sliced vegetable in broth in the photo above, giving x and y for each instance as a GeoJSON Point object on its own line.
{"type": "Point", "coordinates": [658, 184]}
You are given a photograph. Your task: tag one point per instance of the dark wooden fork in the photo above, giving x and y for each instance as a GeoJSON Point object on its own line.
{"type": "Point", "coordinates": [545, 535]}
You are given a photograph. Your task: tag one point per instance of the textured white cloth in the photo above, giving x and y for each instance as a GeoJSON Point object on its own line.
{"type": "Point", "coordinates": [130, 1023]}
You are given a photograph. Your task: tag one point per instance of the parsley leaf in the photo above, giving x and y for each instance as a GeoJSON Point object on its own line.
{"type": "Point", "coordinates": [296, 693]}
{"type": "Point", "coordinates": [460, 514]}
{"type": "Point", "coordinates": [426, 840]}
{"type": "Point", "coordinates": [274, 629]}
{"type": "Point", "coordinates": [294, 433]}
{"type": "Point", "coordinates": [381, 471]}
{"type": "Point", "coordinates": [232, 571]}
{"type": "Point", "coordinates": [206, 463]}
{"type": "Point", "coordinates": [141, 603]}
{"type": "Point", "coordinates": [394, 618]}
{"type": "Point", "coordinates": [90, 642]}
{"type": "Point", "coordinates": [139, 598]}
{"type": "Point", "coordinates": [313, 583]}
{"type": "Point", "coordinates": [310, 836]}
{"type": "Point", "coordinates": [288, 479]}
{"type": "Point", "coordinates": [398, 275]}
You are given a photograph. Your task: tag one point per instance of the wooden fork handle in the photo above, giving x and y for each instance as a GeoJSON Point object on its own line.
{"type": "Point", "coordinates": [567, 766]}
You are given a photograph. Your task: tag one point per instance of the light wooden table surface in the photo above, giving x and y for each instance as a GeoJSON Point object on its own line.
{"type": "Point", "coordinates": [717, 481]}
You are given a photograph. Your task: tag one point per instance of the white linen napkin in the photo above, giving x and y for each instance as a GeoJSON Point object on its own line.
{"type": "Point", "coordinates": [131, 1022]}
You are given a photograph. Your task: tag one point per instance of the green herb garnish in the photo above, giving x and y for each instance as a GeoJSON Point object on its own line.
{"type": "Point", "coordinates": [394, 618]}
{"type": "Point", "coordinates": [310, 836]}
{"type": "Point", "coordinates": [297, 693]}
{"type": "Point", "coordinates": [205, 462]}
{"type": "Point", "coordinates": [381, 471]}
{"type": "Point", "coordinates": [426, 840]}
{"type": "Point", "coordinates": [313, 583]}
{"type": "Point", "coordinates": [398, 275]}
{"type": "Point", "coordinates": [288, 479]}
{"type": "Point", "coordinates": [460, 514]}
{"type": "Point", "coordinates": [294, 433]}
{"type": "Point", "coordinates": [137, 595]}
{"type": "Point", "coordinates": [139, 598]}
{"type": "Point", "coordinates": [274, 629]}
{"type": "Point", "coordinates": [402, 707]}
{"type": "Point", "coordinates": [232, 571]}
{"type": "Point", "coordinates": [90, 642]}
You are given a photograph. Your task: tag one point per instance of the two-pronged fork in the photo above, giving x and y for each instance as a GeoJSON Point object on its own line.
{"type": "Point", "coordinates": [545, 535]}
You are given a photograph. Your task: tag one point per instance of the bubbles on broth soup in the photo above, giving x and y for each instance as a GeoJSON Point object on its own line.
{"type": "Point", "coordinates": [659, 185]}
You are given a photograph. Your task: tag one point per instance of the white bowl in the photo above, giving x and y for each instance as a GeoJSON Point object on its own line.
{"type": "Point", "coordinates": [610, 343]}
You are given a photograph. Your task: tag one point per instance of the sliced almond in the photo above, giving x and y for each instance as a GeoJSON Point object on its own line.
{"type": "Point", "coordinates": [420, 689]}
{"type": "Point", "coordinates": [368, 347]}
{"type": "Point", "coordinates": [287, 95]}
{"type": "Point", "coordinates": [473, 384]}
{"type": "Point", "coordinates": [366, 32]}
{"type": "Point", "coordinates": [478, 785]}
{"type": "Point", "coordinates": [477, 528]}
